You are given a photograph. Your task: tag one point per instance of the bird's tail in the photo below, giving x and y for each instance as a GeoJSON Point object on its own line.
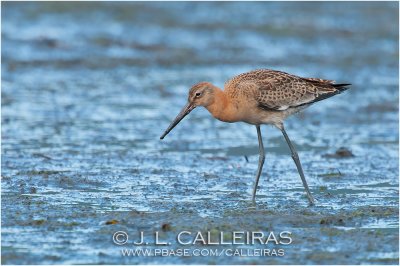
{"type": "Point", "coordinates": [338, 88]}
{"type": "Point", "coordinates": [341, 87]}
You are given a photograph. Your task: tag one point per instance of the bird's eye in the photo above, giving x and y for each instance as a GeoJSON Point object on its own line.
{"type": "Point", "coordinates": [198, 94]}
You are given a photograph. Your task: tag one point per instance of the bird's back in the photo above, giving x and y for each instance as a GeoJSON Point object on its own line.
{"type": "Point", "coordinates": [277, 90]}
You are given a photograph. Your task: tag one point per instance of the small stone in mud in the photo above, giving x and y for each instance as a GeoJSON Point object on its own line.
{"type": "Point", "coordinates": [38, 222]}
{"type": "Point", "coordinates": [207, 175]}
{"type": "Point", "coordinates": [340, 221]}
{"type": "Point", "coordinates": [342, 152]}
{"type": "Point", "coordinates": [48, 42]}
{"type": "Point", "coordinates": [112, 221]}
{"type": "Point", "coordinates": [332, 220]}
{"type": "Point", "coordinates": [166, 227]}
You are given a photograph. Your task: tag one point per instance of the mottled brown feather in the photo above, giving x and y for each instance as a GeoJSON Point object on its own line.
{"type": "Point", "coordinates": [278, 90]}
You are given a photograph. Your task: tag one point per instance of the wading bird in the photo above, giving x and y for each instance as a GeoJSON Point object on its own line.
{"type": "Point", "coordinates": [261, 97]}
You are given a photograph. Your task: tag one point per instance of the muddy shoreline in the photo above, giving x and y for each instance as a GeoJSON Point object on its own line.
{"type": "Point", "coordinates": [87, 90]}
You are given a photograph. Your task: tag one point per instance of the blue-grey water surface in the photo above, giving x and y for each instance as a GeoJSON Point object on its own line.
{"type": "Point", "coordinates": [88, 88]}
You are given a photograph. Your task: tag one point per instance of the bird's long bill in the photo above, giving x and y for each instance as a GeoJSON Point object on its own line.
{"type": "Point", "coordinates": [185, 111]}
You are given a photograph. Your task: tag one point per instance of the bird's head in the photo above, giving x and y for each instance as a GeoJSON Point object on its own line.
{"type": "Point", "coordinates": [201, 94]}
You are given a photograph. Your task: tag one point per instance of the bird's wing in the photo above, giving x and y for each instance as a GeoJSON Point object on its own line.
{"type": "Point", "coordinates": [325, 81]}
{"type": "Point", "coordinates": [278, 90]}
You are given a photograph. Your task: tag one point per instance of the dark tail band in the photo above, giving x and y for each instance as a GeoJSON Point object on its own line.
{"type": "Point", "coordinates": [341, 87]}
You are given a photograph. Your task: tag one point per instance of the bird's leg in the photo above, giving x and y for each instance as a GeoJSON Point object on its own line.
{"type": "Point", "coordinates": [260, 161]}
{"type": "Point", "coordinates": [296, 160]}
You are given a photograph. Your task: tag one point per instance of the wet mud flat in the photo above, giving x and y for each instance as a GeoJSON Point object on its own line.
{"type": "Point", "coordinates": [318, 236]}
{"type": "Point", "coordinates": [84, 103]}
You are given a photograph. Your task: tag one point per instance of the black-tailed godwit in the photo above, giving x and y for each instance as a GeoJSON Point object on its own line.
{"type": "Point", "coordinates": [261, 97]}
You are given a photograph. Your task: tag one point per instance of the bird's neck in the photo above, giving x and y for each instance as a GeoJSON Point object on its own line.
{"type": "Point", "coordinates": [221, 108]}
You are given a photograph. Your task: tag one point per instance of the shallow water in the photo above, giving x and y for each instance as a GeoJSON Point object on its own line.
{"type": "Point", "coordinates": [87, 89]}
